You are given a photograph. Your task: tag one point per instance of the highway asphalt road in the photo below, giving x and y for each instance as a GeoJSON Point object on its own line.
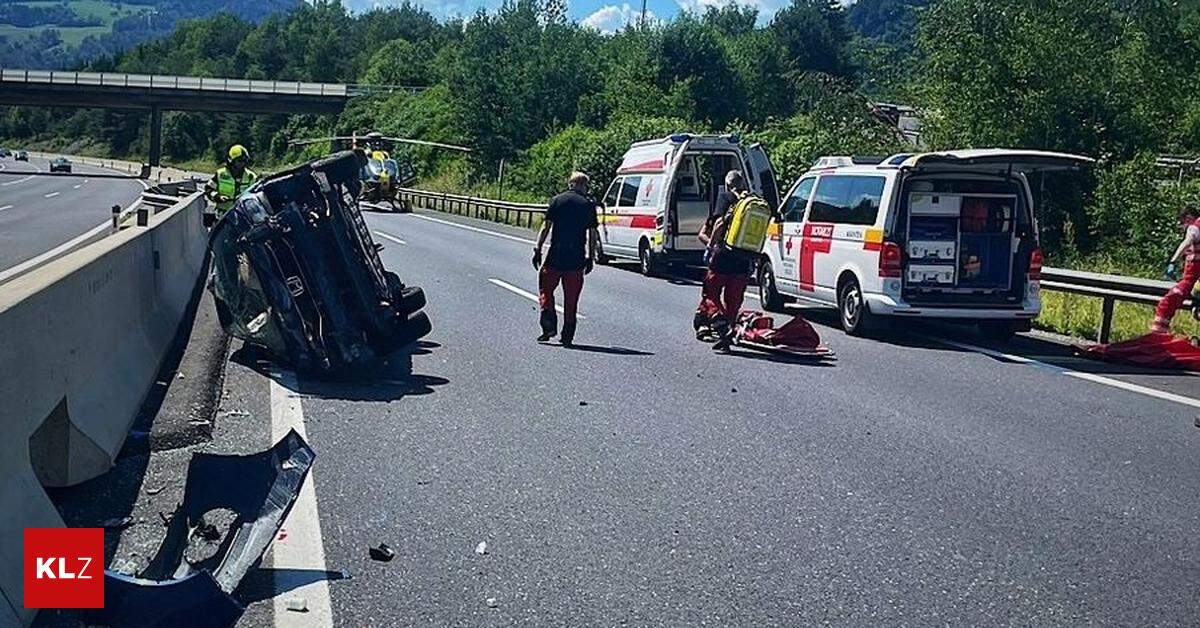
{"type": "Point", "coordinates": [41, 212]}
{"type": "Point", "coordinates": [640, 479]}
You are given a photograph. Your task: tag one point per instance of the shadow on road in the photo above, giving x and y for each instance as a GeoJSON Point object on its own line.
{"type": "Point", "coordinates": [265, 583]}
{"type": "Point", "coordinates": [389, 380]}
{"type": "Point", "coordinates": [606, 350]}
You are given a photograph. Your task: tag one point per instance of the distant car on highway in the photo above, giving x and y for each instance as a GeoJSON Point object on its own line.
{"type": "Point", "coordinates": [21, 155]}
{"type": "Point", "coordinates": [4, 152]}
{"type": "Point", "coordinates": [60, 164]}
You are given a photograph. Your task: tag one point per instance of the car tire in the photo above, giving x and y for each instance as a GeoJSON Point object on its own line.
{"type": "Point", "coordinates": [855, 317]}
{"type": "Point", "coordinates": [768, 292]}
{"type": "Point", "coordinates": [648, 261]}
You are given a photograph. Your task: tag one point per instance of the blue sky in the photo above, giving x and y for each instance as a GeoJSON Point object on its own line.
{"type": "Point", "coordinates": [603, 15]}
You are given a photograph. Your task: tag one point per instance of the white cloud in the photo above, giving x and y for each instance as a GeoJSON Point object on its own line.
{"type": "Point", "coordinates": [612, 18]}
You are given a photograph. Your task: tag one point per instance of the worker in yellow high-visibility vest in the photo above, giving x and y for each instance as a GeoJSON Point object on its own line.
{"type": "Point", "coordinates": [230, 180]}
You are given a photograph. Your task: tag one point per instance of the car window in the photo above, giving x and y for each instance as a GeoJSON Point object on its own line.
{"type": "Point", "coordinates": [649, 191]}
{"type": "Point", "coordinates": [629, 190]}
{"type": "Point", "coordinates": [610, 199]}
{"type": "Point", "coordinates": [793, 208]}
{"type": "Point", "coordinates": [848, 200]}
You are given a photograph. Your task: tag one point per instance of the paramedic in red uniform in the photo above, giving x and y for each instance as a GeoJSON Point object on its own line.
{"type": "Point", "coordinates": [724, 286]}
{"type": "Point", "coordinates": [574, 243]}
{"type": "Point", "coordinates": [1189, 251]}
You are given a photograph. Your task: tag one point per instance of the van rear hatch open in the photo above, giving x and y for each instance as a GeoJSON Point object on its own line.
{"type": "Point", "coordinates": [968, 227]}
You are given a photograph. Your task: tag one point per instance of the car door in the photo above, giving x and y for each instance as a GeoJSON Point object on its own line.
{"type": "Point", "coordinates": [607, 208]}
{"type": "Point", "coordinates": [763, 176]}
{"type": "Point", "coordinates": [786, 246]}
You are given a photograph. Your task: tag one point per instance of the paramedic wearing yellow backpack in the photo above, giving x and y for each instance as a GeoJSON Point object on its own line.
{"type": "Point", "coordinates": [737, 222]}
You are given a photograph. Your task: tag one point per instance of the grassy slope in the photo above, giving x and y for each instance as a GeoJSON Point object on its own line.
{"type": "Point", "coordinates": [72, 36]}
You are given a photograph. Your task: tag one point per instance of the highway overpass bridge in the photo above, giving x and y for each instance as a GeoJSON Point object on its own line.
{"type": "Point", "coordinates": [157, 93]}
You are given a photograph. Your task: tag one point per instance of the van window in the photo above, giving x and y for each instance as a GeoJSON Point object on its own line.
{"type": "Point", "coordinates": [847, 200]}
{"type": "Point", "coordinates": [610, 199]}
{"type": "Point", "coordinates": [793, 208]}
{"type": "Point", "coordinates": [649, 191]}
{"type": "Point", "coordinates": [629, 189]}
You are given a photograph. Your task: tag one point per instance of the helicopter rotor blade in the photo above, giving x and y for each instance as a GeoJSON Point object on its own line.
{"type": "Point", "coordinates": [405, 140]}
{"type": "Point", "coordinates": [316, 140]}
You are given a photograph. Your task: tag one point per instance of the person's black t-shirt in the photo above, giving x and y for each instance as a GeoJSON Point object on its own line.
{"type": "Point", "coordinates": [726, 261]}
{"type": "Point", "coordinates": [571, 215]}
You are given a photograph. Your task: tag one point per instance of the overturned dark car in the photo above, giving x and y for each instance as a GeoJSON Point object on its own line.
{"type": "Point", "coordinates": [295, 271]}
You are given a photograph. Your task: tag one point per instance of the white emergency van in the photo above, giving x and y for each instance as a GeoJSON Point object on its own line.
{"type": "Point", "coordinates": [664, 191]}
{"type": "Point", "coordinates": [948, 235]}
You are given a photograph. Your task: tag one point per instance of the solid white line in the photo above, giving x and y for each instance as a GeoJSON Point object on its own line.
{"type": "Point", "coordinates": [52, 194]}
{"type": "Point", "coordinates": [8, 183]}
{"type": "Point", "coordinates": [301, 547]}
{"type": "Point", "coordinates": [390, 237]}
{"type": "Point", "coordinates": [1062, 370]}
{"type": "Point", "coordinates": [528, 295]}
{"type": "Point", "coordinates": [475, 229]}
{"type": "Point", "coordinates": [5, 207]}
{"type": "Point", "coordinates": [58, 250]}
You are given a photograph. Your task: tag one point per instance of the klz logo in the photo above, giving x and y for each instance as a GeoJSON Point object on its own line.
{"type": "Point", "coordinates": [64, 568]}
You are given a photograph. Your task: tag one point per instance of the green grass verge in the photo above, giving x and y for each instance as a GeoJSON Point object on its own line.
{"type": "Point", "coordinates": [1079, 316]}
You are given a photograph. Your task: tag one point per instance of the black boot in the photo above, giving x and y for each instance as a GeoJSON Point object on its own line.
{"type": "Point", "coordinates": [568, 333]}
{"type": "Point", "coordinates": [549, 322]}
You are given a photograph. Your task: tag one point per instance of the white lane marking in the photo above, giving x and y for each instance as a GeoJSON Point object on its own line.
{"type": "Point", "coordinates": [302, 547]}
{"type": "Point", "coordinates": [475, 229]}
{"type": "Point", "coordinates": [528, 295]}
{"type": "Point", "coordinates": [76, 187]}
{"type": "Point", "coordinates": [52, 194]}
{"type": "Point", "coordinates": [60, 249]}
{"type": "Point", "coordinates": [390, 237]}
{"type": "Point", "coordinates": [5, 207]}
{"type": "Point", "coordinates": [8, 183]}
{"type": "Point", "coordinates": [1062, 370]}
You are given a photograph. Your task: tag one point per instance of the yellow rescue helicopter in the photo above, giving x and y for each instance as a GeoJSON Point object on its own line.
{"type": "Point", "coordinates": [383, 175]}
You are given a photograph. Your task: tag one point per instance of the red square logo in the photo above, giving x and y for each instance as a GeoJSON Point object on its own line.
{"type": "Point", "coordinates": [64, 568]}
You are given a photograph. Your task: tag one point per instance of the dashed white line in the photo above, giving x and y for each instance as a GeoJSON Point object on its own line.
{"type": "Point", "coordinates": [393, 238]}
{"type": "Point", "coordinates": [14, 182]}
{"type": "Point", "coordinates": [5, 207]}
{"type": "Point", "coordinates": [76, 187]}
{"type": "Point", "coordinates": [1062, 370]}
{"type": "Point", "coordinates": [52, 194]}
{"type": "Point", "coordinates": [528, 295]}
{"type": "Point", "coordinates": [302, 549]}
{"type": "Point", "coordinates": [475, 229]}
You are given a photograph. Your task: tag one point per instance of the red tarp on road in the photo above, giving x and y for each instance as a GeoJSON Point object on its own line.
{"type": "Point", "coordinates": [1163, 351]}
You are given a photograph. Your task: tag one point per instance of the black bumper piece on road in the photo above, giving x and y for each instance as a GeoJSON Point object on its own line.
{"type": "Point", "coordinates": [296, 272]}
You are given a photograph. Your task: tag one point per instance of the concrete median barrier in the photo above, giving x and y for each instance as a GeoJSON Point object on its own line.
{"type": "Point", "coordinates": [81, 341]}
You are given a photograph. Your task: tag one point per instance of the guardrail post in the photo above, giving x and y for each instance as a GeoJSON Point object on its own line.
{"type": "Point", "coordinates": [116, 215]}
{"type": "Point", "coordinates": [1106, 317]}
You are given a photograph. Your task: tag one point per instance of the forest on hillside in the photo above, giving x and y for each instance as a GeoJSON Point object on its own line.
{"type": "Point", "coordinates": [1112, 79]}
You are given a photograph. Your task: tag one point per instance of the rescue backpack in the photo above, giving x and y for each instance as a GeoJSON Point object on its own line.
{"type": "Point", "coordinates": [746, 228]}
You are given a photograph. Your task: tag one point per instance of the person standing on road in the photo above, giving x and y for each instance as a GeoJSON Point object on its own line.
{"type": "Point", "coordinates": [230, 180]}
{"type": "Point", "coordinates": [724, 286]}
{"type": "Point", "coordinates": [1189, 252]}
{"type": "Point", "coordinates": [574, 242]}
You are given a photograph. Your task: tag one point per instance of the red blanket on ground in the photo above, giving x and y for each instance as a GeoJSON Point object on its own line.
{"type": "Point", "coordinates": [1163, 351]}
{"type": "Point", "coordinates": [759, 328]}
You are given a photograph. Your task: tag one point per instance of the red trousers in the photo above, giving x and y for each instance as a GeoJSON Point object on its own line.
{"type": "Point", "coordinates": [572, 282]}
{"type": "Point", "coordinates": [722, 295]}
{"type": "Point", "coordinates": [1176, 296]}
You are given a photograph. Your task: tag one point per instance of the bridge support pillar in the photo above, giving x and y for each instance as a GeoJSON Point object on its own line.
{"type": "Point", "coordinates": [155, 137]}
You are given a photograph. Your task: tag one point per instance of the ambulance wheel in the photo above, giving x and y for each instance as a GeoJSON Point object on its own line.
{"type": "Point", "coordinates": [768, 292]}
{"type": "Point", "coordinates": [649, 263]}
{"type": "Point", "coordinates": [856, 318]}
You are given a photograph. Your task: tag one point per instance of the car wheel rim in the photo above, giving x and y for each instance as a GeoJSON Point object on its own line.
{"type": "Point", "coordinates": [851, 306]}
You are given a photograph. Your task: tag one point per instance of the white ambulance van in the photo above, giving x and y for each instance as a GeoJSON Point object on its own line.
{"type": "Point", "coordinates": [664, 191]}
{"type": "Point", "coordinates": [938, 235]}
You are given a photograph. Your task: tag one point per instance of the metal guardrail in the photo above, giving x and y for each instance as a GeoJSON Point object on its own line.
{"type": "Point", "coordinates": [161, 81]}
{"type": "Point", "coordinates": [484, 208]}
{"type": "Point", "coordinates": [1108, 288]}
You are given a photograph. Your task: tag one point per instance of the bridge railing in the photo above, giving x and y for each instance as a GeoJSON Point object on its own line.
{"type": "Point", "coordinates": [160, 81]}
{"type": "Point", "coordinates": [1108, 288]}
